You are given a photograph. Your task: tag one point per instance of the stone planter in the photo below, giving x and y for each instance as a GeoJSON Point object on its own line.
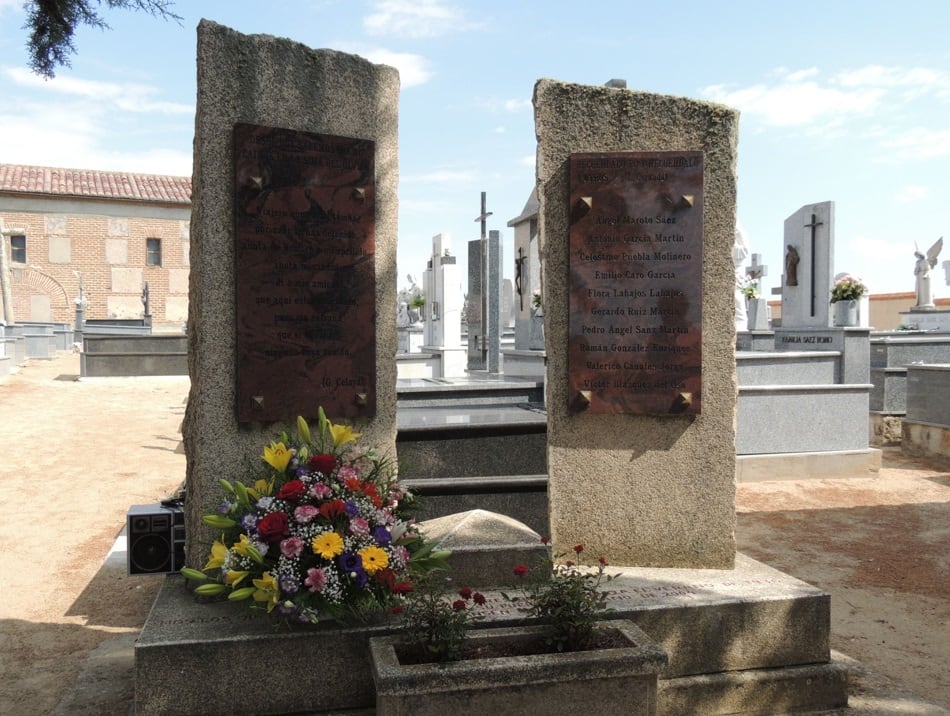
{"type": "Point", "coordinates": [619, 680]}
{"type": "Point", "coordinates": [846, 313]}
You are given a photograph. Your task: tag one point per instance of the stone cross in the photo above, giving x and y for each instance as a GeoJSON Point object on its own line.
{"type": "Point", "coordinates": [757, 270]}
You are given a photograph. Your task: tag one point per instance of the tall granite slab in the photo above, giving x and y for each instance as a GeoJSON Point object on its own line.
{"type": "Point", "coordinates": [642, 490]}
{"type": "Point", "coordinates": [475, 315]}
{"type": "Point", "coordinates": [494, 288]}
{"type": "Point", "coordinates": [809, 266]}
{"type": "Point", "coordinates": [268, 81]}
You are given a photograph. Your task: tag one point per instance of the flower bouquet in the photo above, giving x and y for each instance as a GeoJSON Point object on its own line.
{"type": "Point", "coordinates": [847, 288]}
{"type": "Point", "coordinates": [326, 533]}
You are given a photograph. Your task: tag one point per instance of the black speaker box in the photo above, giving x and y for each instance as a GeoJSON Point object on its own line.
{"type": "Point", "coordinates": [156, 539]}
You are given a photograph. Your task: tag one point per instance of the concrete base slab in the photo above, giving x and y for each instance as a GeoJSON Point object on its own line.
{"type": "Point", "coordinates": [805, 465]}
{"type": "Point", "coordinates": [709, 621]}
{"type": "Point", "coordinates": [762, 692]}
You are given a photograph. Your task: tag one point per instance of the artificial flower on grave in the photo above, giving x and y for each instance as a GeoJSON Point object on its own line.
{"type": "Point", "coordinates": [847, 288]}
{"type": "Point", "coordinates": [325, 533]}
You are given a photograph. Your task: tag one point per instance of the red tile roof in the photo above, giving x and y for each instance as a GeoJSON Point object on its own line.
{"type": "Point", "coordinates": [92, 184]}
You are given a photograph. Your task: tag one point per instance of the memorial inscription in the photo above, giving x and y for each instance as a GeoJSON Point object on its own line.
{"type": "Point", "coordinates": [636, 241]}
{"type": "Point", "coordinates": [304, 273]}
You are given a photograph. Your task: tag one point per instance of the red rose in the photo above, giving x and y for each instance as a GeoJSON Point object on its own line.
{"type": "Point", "coordinates": [323, 463]}
{"type": "Point", "coordinates": [458, 605]}
{"type": "Point", "coordinates": [479, 598]}
{"type": "Point", "coordinates": [292, 491]}
{"type": "Point", "coordinates": [602, 561]}
{"type": "Point", "coordinates": [578, 548]}
{"type": "Point", "coordinates": [273, 528]}
{"type": "Point", "coordinates": [402, 588]}
{"type": "Point", "coordinates": [545, 540]}
{"type": "Point", "coordinates": [465, 593]}
{"type": "Point", "coordinates": [520, 570]}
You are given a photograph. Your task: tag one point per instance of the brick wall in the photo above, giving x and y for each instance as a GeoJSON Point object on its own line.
{"type": "Point", "coordinates": [109, 252]}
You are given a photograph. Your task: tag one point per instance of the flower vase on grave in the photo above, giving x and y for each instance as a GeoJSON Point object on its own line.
{"type": "Point", "coordinates": [846, 313]}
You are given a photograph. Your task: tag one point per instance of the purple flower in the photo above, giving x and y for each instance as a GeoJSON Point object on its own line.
{"type": "Point", "coordinates": [288, 584]}
{"type": "Point", "coordinates": [352, 509]}
{"type": "Point", "coordinates": [225, 507]}
{"type": "Point", "coordinates": [351, 563]}
{"type": "Point", "coordinates": [249, 522]}
{"type": "Point", "coordinates": [287, 609]}
{"type": "Point", "coordinates": [382, 536]}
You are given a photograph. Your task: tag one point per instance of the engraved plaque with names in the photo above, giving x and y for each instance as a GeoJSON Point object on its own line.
{"type": "Point", "coordinates": [305, 293]}
{"type": "Point", "coordinates": [635, 285]}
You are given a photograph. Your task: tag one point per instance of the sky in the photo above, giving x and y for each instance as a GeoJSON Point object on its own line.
{"type": "Point", "coordinates": [840, 100]}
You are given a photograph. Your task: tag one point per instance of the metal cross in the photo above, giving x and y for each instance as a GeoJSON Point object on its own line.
{"type": "Point", "coordinates": [814, 226]}
{"type": "Point", "coordinates": [519, 275]}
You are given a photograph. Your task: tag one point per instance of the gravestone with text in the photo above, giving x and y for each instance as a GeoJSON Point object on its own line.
{"type": "Point", "coordinates": [637, 219]}
{"type": "Point", "coordinates": [809, 266]}
{"type": "Point", "coordinates": [293, 253]}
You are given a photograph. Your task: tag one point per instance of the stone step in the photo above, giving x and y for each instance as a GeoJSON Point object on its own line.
{"type": "Point", "coordinates": [106, 365]}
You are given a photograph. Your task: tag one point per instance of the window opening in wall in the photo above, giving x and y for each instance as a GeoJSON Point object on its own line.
{"type": "Point", "coordinates": [18, 249]}
{"type": "Point", "coordinates": [153, 252]}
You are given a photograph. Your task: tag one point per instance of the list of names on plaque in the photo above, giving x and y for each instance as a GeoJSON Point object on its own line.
{"type": "Point", "coordinates": [305, 278]}
{"type": "Point", "coordinates": [635, 285]}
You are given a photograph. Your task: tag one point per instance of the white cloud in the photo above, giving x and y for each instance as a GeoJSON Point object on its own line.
{"type": "Point", "coordinates": [500, 129]}
{"type": "Point", "coordinates": [129, 97]}
{"type": "Point", "coordinates": [919, 143]}
{"type": "Point", "coordinates": [495, 104]}
{"type": "Point", "coordinates": [414, 19]}
{"type": "Point", "coordinates": [794, 102]}
{"type": "Point", "coordinates": [413, 69]}
{"type": "Point", "coordinates": [912, 193]}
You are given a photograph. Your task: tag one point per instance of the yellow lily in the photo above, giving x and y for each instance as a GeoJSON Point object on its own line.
{"type": "Point", "coordinates": [218, 553]}
{"type": "Point", "coordinates": [241, 547]}
{"type": "Point", "coordinates": [267, 590]}
{"type": "Point", "coordinates": [234, 577]}
{"type": "Point", "coordinates": [277, 456]}
{"type": "Point", "coordinates": [261, 487]}
{"type": "Point", "coordinates": [342, 434]}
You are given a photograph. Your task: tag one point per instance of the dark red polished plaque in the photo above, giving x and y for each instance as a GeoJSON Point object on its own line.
{"type": "Point", "coordinates": [636, 279]}
{"type": "Point", "coordinates": [305, 274]}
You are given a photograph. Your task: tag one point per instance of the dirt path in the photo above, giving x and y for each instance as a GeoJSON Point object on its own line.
{"type": "Point", "coordinates": [79, 453]}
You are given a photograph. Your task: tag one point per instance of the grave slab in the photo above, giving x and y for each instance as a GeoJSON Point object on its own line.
{"type": "Point", "coordinates": [710, 621]}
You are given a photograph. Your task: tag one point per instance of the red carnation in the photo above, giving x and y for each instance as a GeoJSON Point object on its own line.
{"type": "Point", "coordinates": [545, 540]}
{"type": "Point", "coordinates": [402, 588]}
{"type": "Point", "coordinates": [520, 570]}
{"type": "Point", "coordinates": [398, 609]}
{"type": "Point", "coordinates": [323, 463]}
{"type": "Point", "coordinates": [292, 491]}
{"type": "Point", "coordinates": [479, 598]}
{"type": "Point", "coordinates": [458, 605]}
{"type": "Point", "coordinates": [465, 593]}
{"type": "Point", "coordinates": [578, 548]}
{"type": "Point", "coordinates": [332, 508]}
{"type": "Point", "coordinates": [273, 528]}
{"type": "Point", "coordinates": [602, 561]}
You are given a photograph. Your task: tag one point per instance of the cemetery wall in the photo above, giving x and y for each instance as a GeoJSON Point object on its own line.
{"type": "Point", "coordinates": [104, 241]}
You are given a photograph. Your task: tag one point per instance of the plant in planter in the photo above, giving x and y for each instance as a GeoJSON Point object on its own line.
{"type": "Point", "coordinates": [529, 668]}
{"type": "Point", "coordinates": [436, 623]}
{"type": "Point", "coordinates": [567, 599]}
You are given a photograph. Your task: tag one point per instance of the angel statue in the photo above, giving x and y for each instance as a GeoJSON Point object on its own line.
{"type": "Point", "coordinates": [922, 270]}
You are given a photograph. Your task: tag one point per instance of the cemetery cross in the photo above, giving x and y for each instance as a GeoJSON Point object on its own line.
{"type": "Point", "coordinates": [483, 218]}
{"type": "Point", "coordinates": [814, 227]}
